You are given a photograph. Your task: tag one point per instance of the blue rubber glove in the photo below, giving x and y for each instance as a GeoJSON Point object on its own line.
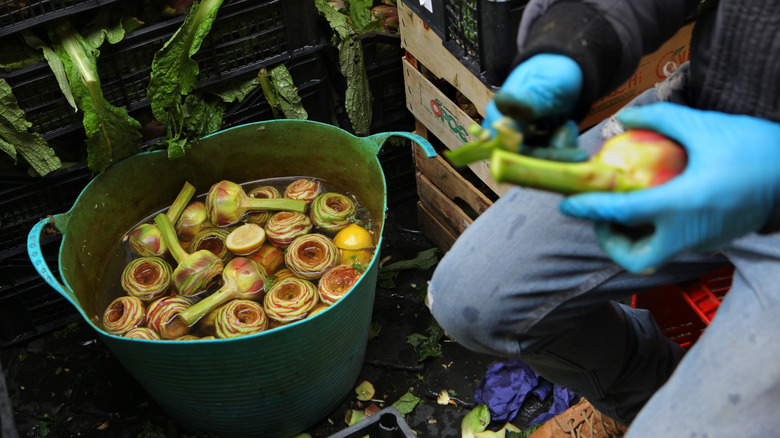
{"type": "Point", "coordinates": [540, 95]}
{"type": "Point", "coordinates": [729, 188]}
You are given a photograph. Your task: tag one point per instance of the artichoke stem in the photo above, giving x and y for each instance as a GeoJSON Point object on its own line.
{"type": "Point", "coordinates": [551, 175]}
{"type": "Point", "coordinates": [181, 202]}
{"type": "Point", "coordinates": [202, 307]}
{"type": "Point", "coordinates": [295, 205]}
{"type": "Point", "coordinates": [168, 234]}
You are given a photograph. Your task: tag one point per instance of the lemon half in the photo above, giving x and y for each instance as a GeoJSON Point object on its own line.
{"type": "Point", "coordinates": [245, 239]}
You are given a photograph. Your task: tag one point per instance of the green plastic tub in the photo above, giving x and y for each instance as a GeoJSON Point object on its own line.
{"type": "Point", "coordinates": [272, 384]}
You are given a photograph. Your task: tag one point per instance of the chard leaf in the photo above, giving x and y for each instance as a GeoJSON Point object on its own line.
{"type": "Point", "coordinates": [201, 117]}
{"type": "Point", "coordinates": [16, 140]}
{"type": "Point", "coordinates": [175, 73]}
{"type": "Point", "coordinates": [360, 12]}
{"type": "Point", "coordinates": [109, 24]}
{"type": "Point", "coordinates": [235, 90]}
{"type": "Point", "coordinates": [111, 133]}
{"type": "Point", "coordinates": [55, 64]}
{"type": "Point", "coordinates": [357, 100]}
{"type": "Point", "coordinates": [281, 93]}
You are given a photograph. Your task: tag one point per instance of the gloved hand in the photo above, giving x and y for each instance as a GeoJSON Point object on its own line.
{"type": "Point", "coordinates": [540, 95]}
{"type": "Point", "coordinates": [728, 189]}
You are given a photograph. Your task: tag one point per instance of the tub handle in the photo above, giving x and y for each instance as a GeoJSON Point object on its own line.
{"type": "Point", "coordinates": [381, 137]}
{"type": "Point", "coordinates": [36, 257]}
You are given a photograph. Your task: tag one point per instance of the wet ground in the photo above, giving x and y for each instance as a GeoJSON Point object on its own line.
{"type": "Point", "coordinates": [66, 383]}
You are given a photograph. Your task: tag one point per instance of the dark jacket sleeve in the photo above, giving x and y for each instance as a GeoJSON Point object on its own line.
{"type": "Point", "coordinates": [605, 37]}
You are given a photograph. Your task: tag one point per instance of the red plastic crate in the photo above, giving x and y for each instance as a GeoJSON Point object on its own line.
{"type": "Point", "coordinates": [684, 310]}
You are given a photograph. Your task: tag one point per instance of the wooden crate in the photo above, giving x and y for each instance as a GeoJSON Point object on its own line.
{"type": "Point", "coordinates": [448, 201]}
{"type": "Point", "coordinates": [443, 191]}
{"type": "Point", "coordinates": [424, 45]}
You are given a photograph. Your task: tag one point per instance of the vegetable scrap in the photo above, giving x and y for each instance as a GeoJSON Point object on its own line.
{"type": "Point", "coordinates": [506, 385]}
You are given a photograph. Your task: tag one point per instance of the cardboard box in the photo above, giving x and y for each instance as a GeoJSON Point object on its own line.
{"type": "Point", "coordinates": [652, 69]}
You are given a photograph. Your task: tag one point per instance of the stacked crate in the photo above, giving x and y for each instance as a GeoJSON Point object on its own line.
{"type": "Point", "coordinates": [246, 36]}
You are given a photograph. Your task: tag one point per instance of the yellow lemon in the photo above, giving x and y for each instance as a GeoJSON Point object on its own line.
{"type": "Point", "coordinates": [353, 237]}
{"type": "Point", "coordinates": [352, 256]}
{"type": "Point", "coordinates": [245, 239]}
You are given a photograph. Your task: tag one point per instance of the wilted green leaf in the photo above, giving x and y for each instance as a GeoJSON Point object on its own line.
{"type": "Point", "coordinates": [427, 345]}
{"type": "Point", "coordinates": [406, 403]}
{"type": "Point", "coordinates": [16, 139]}
{"type": "Point", "coordinates": [357, 98]}
{"type": "Point", "coordinates": [359, 12]}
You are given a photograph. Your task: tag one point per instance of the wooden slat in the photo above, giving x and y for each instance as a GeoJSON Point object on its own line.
{"type": "Point", "coordinates": [444, 119]}
{"type": "Point", "coordinates": [449, 181]}
{"type": "Point", "coordinates": [434, 230]}
{"type": "Point", "coordinates": [444, 209]}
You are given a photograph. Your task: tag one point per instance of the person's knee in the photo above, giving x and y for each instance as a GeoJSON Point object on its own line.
{"type": "Point", "coordinates": [475, 312]}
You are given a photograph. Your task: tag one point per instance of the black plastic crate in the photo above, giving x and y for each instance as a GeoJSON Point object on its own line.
{"type": "Point", "coordinates": [247, 35]}
{"type": "Point", "coordinates": [382, 54]}
{"type": "Point", "coordinates": [17, 15]}
{"type": "Point", "coordinates": [480, 33]}
{"type": "Point", "coordinates": [28, 305]}
{"type": "Point", "coordinates": [387, 423]}
{"type": "Point", "coordinates": [25, 200]}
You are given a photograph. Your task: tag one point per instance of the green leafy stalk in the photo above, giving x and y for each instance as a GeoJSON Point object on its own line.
{"type": "Point", "coordinates": [357, 98]}
{"type": "Point", "coordinates": [111, 133]}
{"type": "Point", "coordinates": [16, 140]}
{"type": "Point", "coordinates": [175, 73]}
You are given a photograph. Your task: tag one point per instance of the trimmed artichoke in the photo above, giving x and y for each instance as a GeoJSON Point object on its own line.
{"type": "Point", "coordinates": [147, 278]}
{"type": "Point", "coordinates": [303, 189]}
{"type": "Point", "coordinates": [332, 211]}
{"type": "Point", "coordinates": [264, 192]}
{"type": "Point", "coordinates": [193, 220]}
{"type": "Point", "coordinates": [290, 300]}
{"type": "Point", "coordinates": [284, 227]}
{"type": "Point", "coordinates": [336, 283]}
{"type": "Point", "coordinates": [164, 310]}
{"type": "Point", "coordinates": [212, 239]}
{"type": "Point", "coordinates": [239, 318]}
{"type": "Point", "coordinates": [123, 314]}
{"type": "Point", "coordinates": [145, 241]}
{"type": "Point", "coordinates": [269, 257]}
{"type": "Point", "coordinates": [310, 256]}
{"type": "Point", "coordinates": [143, 333]}
{"type": "Point", "coordinates": [227, 203]}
